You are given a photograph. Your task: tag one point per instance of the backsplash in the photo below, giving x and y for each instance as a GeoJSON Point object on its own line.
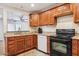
{"type": "Point", "coordinates": [50, 28]}
{"type": "Point", "coordinates": [66, 22]}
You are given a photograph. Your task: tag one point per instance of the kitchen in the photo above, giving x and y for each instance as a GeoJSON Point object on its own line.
{"type": "Point", "coordinates": [49, 30]}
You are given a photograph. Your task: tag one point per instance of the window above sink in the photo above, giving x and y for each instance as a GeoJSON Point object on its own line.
{"type": "Point", "coordinates": [17, 22]}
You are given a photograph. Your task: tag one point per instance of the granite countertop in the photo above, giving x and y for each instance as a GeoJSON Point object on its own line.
{"type": "Point", "coordinates": [76, 36]}
{"type": "Point", "coordinates": [30, 33]}
{"type": "Point", "coordinates": [19, 34]}
{"type": "Point", "coordinates": [35, 33]}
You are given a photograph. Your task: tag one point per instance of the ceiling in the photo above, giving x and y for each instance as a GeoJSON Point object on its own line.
{"type": "Point", "coordinates": [29, 8]}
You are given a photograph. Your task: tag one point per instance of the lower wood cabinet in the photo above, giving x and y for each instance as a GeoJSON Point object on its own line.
{"type": "Point", "coordinates": [48, 45]}
{"type": "Point", "coordinates": [75, 47]}
{"type": "Point", "coordinates": [27, 43]}
{"type": "Point", "coordinates": [10, 46]}
{"type": "Point", "coordinates": [18, 44]}
{"type": "Point", "coordinates": [35, 41]}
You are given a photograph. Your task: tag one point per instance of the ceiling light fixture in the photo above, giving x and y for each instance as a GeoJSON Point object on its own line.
{"type": "Point", "coordinates": [32, 5]}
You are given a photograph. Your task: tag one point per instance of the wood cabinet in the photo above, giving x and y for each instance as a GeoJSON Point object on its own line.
{"type": "Point", "coordinates": [35, 41]}
{"type": "Point", "coordinates": [27, 43]}
{"type": "Point", "coordinates": [46, 18]}
{"type": "Point", "coordinates": [75, 47]}
{"type": "Point", "coordinates": [18, 44]}
{"type": "Point", "coordinates": [10, 46]}
{"type": "Point", "coordinates": [63, 10]}
{"type": "Point", "coordinates": [30, 42]}
{"type": "Point", "coordinates": [43, 19]}
{"type": "Point", "coordinates": [30, 38]}
{"type": "Point", "coordinates": [34, 19]}
{"type": "Point", "coordinates": [50, 18]}
{"type": "Point", "coordinates": [48, 45]}
{"type": "Point", "coordinates": [75, 10]}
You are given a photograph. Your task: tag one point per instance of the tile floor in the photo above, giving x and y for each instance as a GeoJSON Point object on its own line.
{"type": "Point", "coordinates": [33, 52]}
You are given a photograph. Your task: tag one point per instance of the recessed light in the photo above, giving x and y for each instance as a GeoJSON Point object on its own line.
{"type": "Point", "coordinates": [32, 5]}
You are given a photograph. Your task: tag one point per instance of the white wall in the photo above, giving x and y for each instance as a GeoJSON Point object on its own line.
{"type": "Point", "coordinates": [10, 9]}
{"type": "Point", "coordinates": [1, 30]}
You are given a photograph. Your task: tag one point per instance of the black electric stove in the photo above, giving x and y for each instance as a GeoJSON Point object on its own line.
{"type": "Point", "coordinates": [61, 44]}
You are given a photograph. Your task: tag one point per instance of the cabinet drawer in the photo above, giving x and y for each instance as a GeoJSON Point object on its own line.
{"type": "Point", "coordinates": [11, 39]}
{"type": "Point", "coordinates": [30, 37]}
{"type": "Point", "coordinates": [11, 46]}
{"type": "Point", "coordinates": [18, 38]}
{"type": "Point", "coordinates": [11, 42]}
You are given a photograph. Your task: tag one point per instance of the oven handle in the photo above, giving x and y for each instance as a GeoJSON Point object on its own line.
{"type": "Point", "coordinates": [63, 42]}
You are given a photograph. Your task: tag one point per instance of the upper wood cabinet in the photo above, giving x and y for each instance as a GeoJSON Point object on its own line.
{"type": "Point", "coordinates": [34, 19]}
{"type": "Point", "coordinates": [46, 18]}
{"type": "Point", "coordinates": [62, 10]}
{"type": "Point", "coordinates": [75, 10]}
{"type": "Point", "coordinates": [43, 19]}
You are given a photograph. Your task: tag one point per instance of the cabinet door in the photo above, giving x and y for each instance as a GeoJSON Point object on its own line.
{"type": "Point", "coordinates": [20, 44]}
{"type": "Point", "coordinates": [76, 12]}
{"type": "Point", "coordinates": [27, 44]}
{"type": "Point", "coordinates": [34, 20]}
{"type": "Point", "coordinates": [48, 45]}
{"type": "Point", "coordinates": [11, 46]}
{"type": "Point", "coordinates": [51, 18]}
{"type": "Point", "coordinates": [74, 47]}
{"type": "Point", "coordinates": [42, 20]}
{"type": "Point", "coordinates": [63, 10]}
{"type": "Point", "coordinates": [35, 41]}
{"type": "Point", "coordinates": [53, 12]}
{"type": "Point", "coordinates": [30, 37]}
{"type": "Point", "coordinates": [46, 18]}
{"type": "Point", "coordinates": [78, 47]}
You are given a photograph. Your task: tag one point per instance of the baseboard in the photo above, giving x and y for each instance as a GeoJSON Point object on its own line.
{"type": "Point", "coordinates": [20, 52]}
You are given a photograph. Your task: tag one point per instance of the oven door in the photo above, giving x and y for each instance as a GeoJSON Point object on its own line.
{"type": "Point", "coordinates": [60, 48]}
